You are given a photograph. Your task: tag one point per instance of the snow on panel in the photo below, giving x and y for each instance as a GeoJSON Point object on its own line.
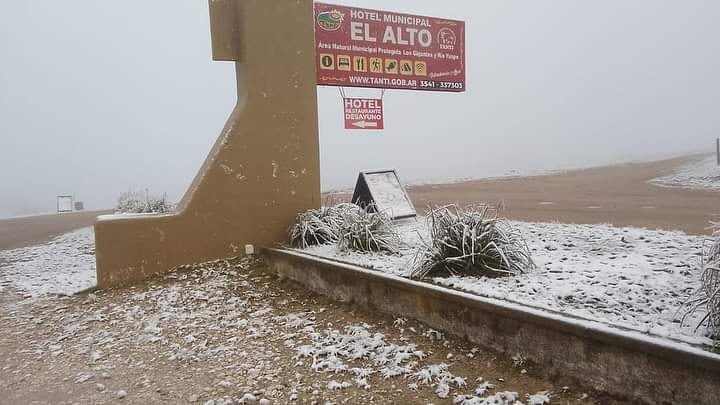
{"type": "Point", "coordinates": [389, 194]}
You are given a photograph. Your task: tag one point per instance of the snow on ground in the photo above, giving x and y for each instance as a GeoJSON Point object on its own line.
{"type": "Point", "coordinates": [219, 314]}
{"type": "Point", "coordinates": [633, 278]}
{"type": "Point", "coordinates": [64, 266]}
{"type": "Point", "coordinates": [700, 175]}
{"type": "Point", "coordinates": [221, 333]}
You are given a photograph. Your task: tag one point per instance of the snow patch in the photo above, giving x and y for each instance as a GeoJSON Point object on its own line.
{"type": "Point", "coordinates": [64, 266]}
{"type": "Point", "coordinates": [628, 277]}
{"type": "Point", "coordinates": [703, 174]}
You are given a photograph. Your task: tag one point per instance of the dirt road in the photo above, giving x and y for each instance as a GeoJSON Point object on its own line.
{"type": "Point", "coordinates": [618, 195]}
{"type": "Point", "coordinates": [26, 231]}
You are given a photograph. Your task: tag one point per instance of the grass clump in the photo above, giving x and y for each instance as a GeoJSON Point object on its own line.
{"type": "Point", "coordinates": [348, 225]}
{"type": "Point", "coordinates": [319, 226]}
{"type": "Point", "coordinates": [139, 202]}
{"type": "Point", "coordinates": [707, 297]}
{"type": "Point", "coordinates": [471, 241]}
{"type": "Point", "coordinates": [368, 230]}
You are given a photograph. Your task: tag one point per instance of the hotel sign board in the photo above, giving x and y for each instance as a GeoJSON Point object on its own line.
{"type": "Point", "coordinates": [363, 113]}
{"type": "Point", "coordinates": [358, 47]}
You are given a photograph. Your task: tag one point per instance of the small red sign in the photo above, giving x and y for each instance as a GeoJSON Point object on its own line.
{"type": "Point", "coordinates": [363, 113]}
{"type": "Point", "coordinates": [359, 47]}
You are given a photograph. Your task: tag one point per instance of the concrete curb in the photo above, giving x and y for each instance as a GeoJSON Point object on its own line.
{"type": "Point", "coordinates": [620, 362]}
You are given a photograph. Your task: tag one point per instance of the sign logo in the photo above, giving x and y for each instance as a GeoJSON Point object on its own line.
{"type": "Point", "coordinates": [330, 20]}
{"type": "Point", "coordinates": [447, 39]}
{"type": "Point", "coordinates": [406, 67]}
{"type": "Point", "coordinates": [391, 66]}
{"type": "Point", "coordinates": [420, 68]}
{"type": "Point", "coordinates": [360, 64]}
{"type": "Point", "coordinates": [376, 65]}
{"type": "Point", "coordinates": [343, 62]}
{"type": "Point", "coordinates": [327, 61]}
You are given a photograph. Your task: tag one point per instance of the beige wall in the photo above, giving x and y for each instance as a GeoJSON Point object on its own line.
{"type": "Point", "coordinates": [264, 167]}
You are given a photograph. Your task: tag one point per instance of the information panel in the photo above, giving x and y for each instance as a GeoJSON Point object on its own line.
{"type": "Point", "coordinates": [359, 47]}
{"type": "Point", "coordinates": [384, 189]}
{"type": "Point", "coordinates": [64, 203]}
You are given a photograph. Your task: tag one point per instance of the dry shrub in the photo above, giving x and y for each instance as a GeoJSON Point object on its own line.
{"type": "Point", "coordinates": [707, 297]}
{"type": "Point", "coordinates": [142, 202]}
{"type": "Point", "coordinates": [471, 241]}
{"type": "Point", "coordinates": [346, 224]}
{"type": "Point", "coordinates": [319, 226]}
{"type": "Point", "coordinates": [368, 230]}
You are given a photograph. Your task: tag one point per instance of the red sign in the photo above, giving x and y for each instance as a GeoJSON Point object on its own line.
{"type": "Point", "coordinates": [358, 47]}
{"type": "Point", "coordinates": [363, 113]}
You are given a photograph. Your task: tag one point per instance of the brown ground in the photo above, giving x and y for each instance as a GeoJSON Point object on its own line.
{"type": "Point", "coordinates": [619, 195]}
{"type": "Point", "coordinates": [622, 193]}
{"type": "Point", "coordinates": [26, 231]}
{"type": "Point", "coordinates": [240, 345]}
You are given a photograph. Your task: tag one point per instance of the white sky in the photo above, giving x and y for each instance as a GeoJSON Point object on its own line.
{"type": "Point", "coordinates": [100, 97]}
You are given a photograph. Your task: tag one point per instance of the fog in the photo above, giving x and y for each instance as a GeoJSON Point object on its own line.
{"type": "Point", "coordinates": [98, 97]}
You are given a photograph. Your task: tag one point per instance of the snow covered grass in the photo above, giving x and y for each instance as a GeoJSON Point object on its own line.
{"type": "Point", "coordinates": [703, 174]}
{"type": "Point", "coordinates": [63, 266]}
{"type": "Point", "coordinates": [368, 230]}
{"type": "Point", "coordinates": [627, 277]}
{"type": "Point", "coordinates": [471, 241]}
{"type": "Point", "coordinates": [348, 226]}
{"type": "Point", "coordinates": [138, 202]}
{"type": "Point", "coordinates": [707, 297]}
{"type": "Point", "coordinates": [315, 227]}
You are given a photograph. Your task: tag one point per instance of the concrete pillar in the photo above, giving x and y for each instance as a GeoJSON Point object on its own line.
{"type": "Point", "coordinates": [264, 167]}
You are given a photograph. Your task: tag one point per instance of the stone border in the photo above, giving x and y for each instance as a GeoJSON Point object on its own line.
{"type": "Point", "coordinates": [622, 363]}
